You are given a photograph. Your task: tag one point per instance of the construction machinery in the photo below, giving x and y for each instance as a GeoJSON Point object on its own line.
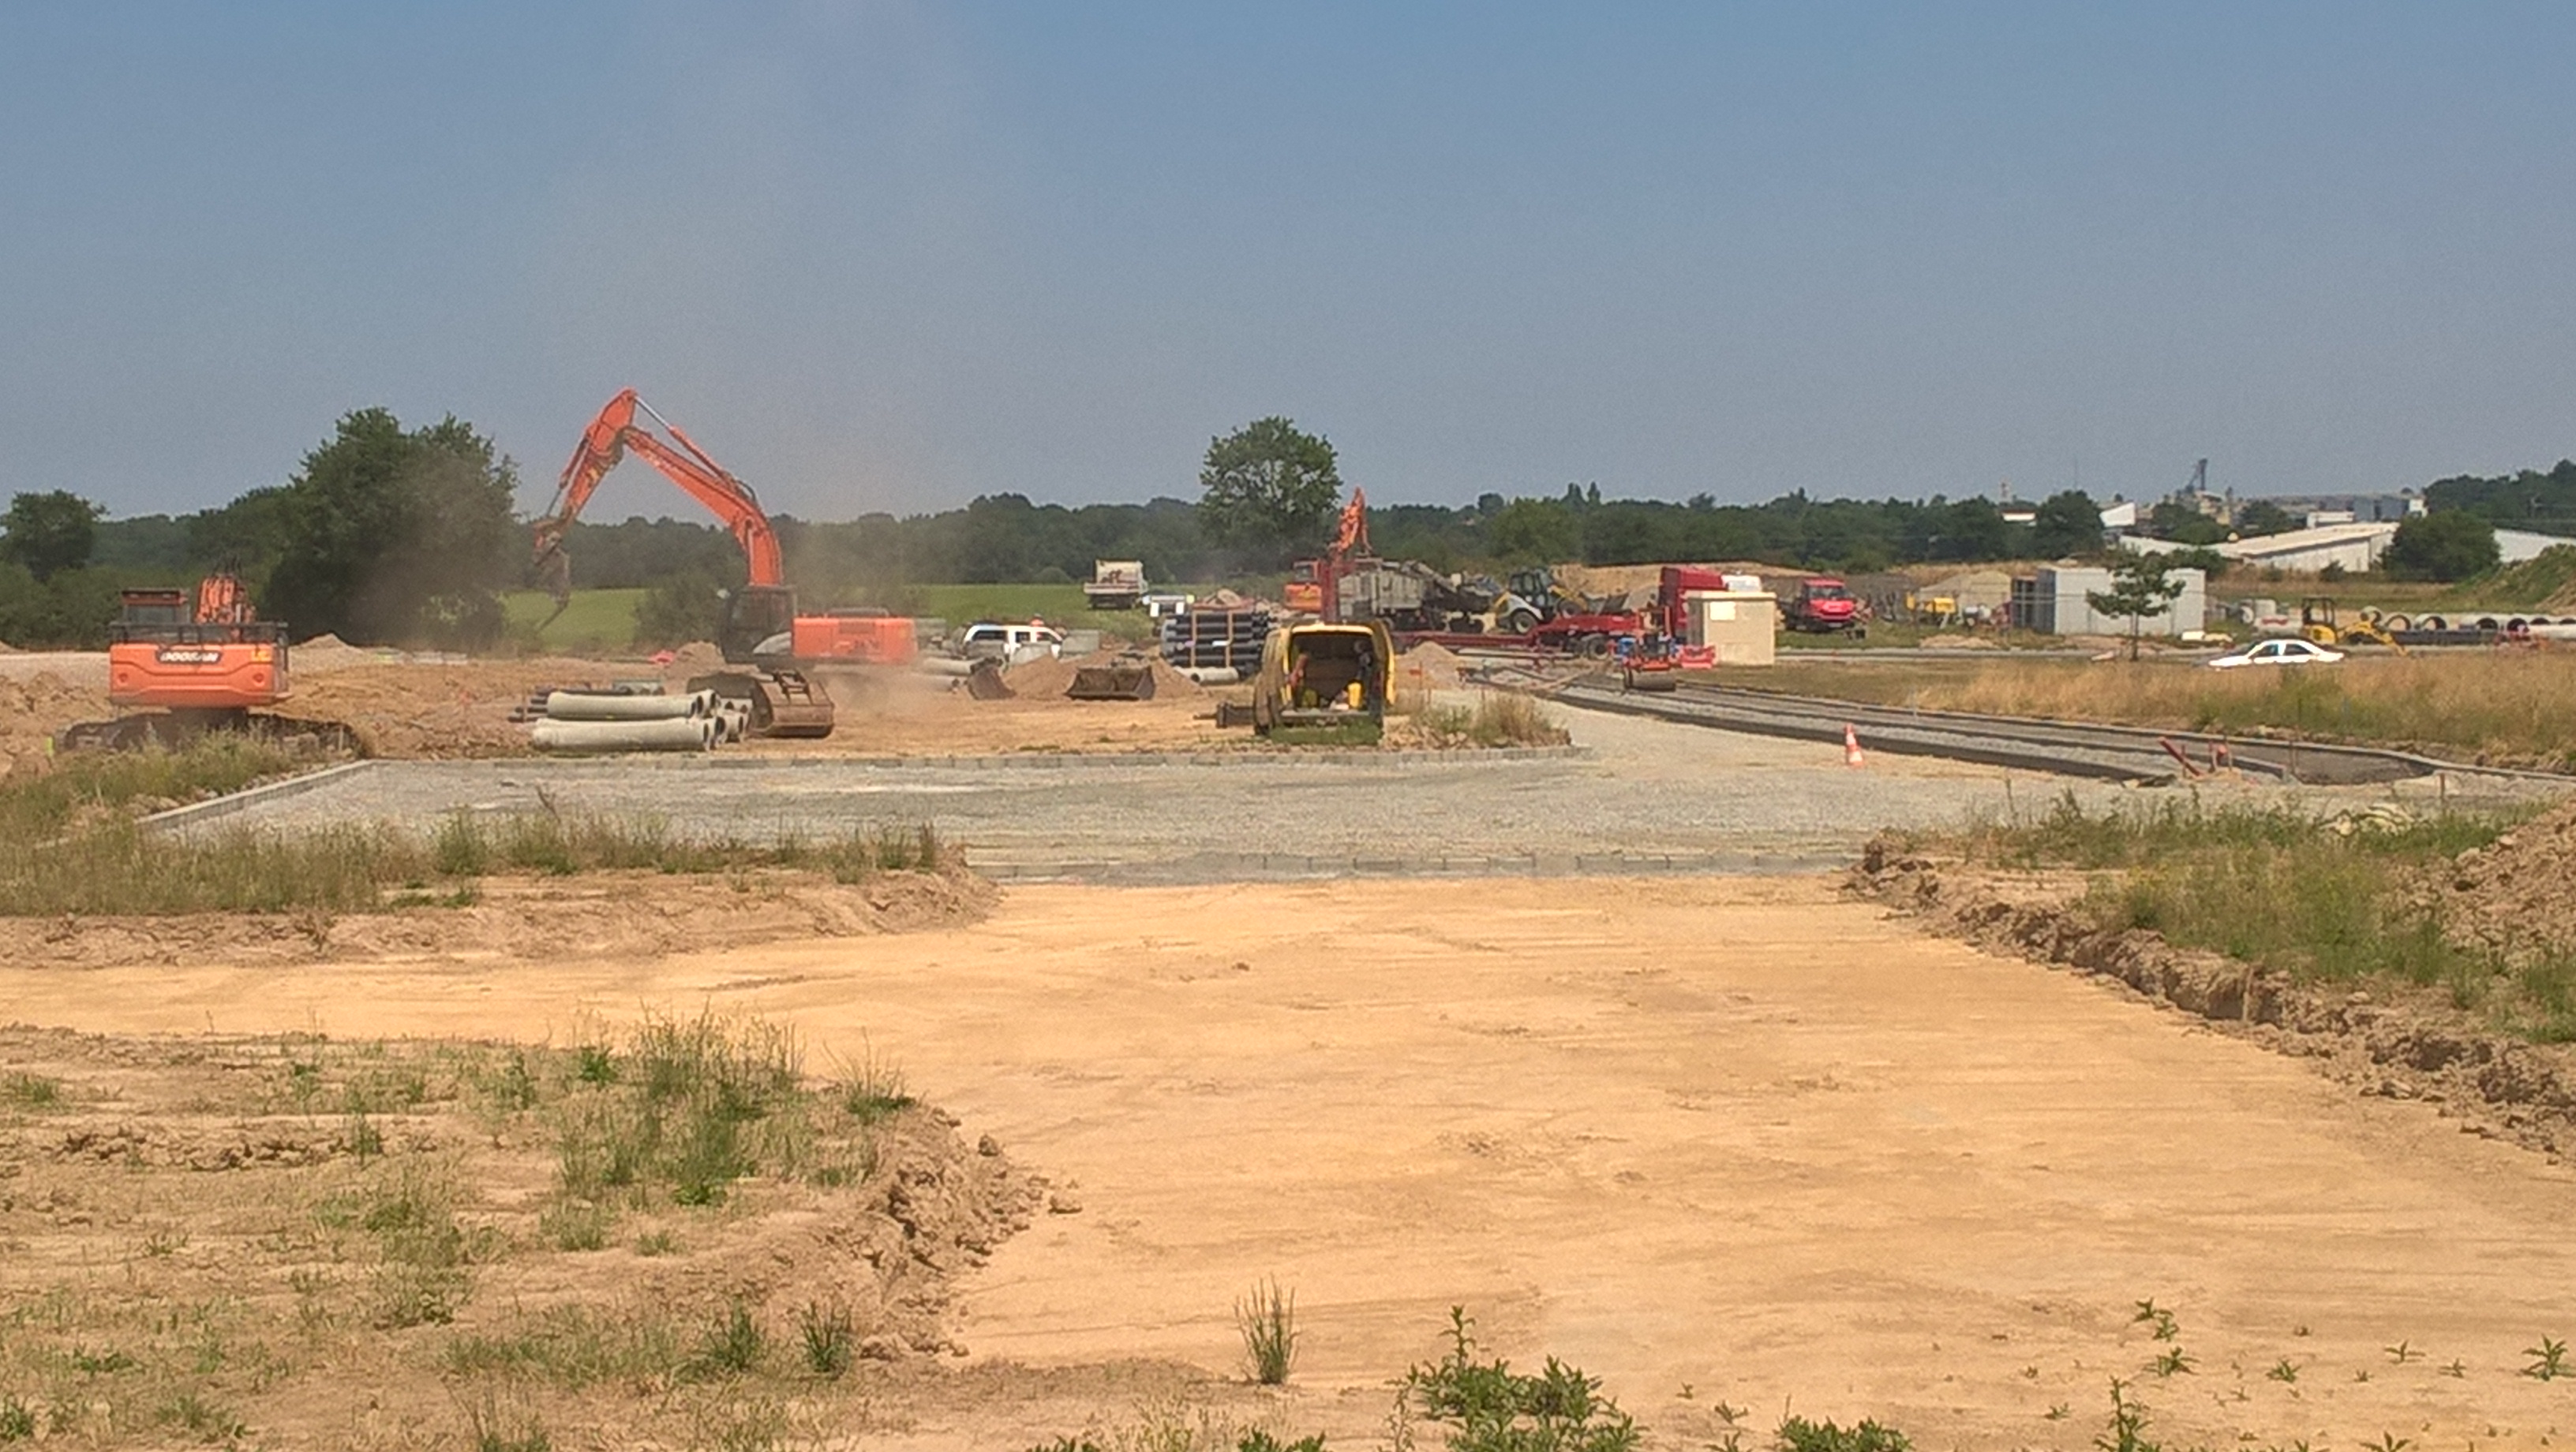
{"type": "Point", "coordinates": [1115, 584]}
{"type": "Point", "coordinates": [2319, 622]}
{"type": "Point", "coordinates": [763, 630]}
{"type": "Point", "coordinates": [1822, 605]}
{"type": "Point", "coordinates": [201, 664]}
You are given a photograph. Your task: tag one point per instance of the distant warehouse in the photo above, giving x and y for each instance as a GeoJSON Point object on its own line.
{"type": "Point", "coordinates": [2352, 547]}
{"type": "Point", "coordinates": [2056, 601]}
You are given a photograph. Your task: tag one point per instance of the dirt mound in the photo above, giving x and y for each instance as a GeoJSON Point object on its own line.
{"type": "Point", "coordinates": [603, 915]}
{"type": "Point", "coordinates": [1431, 666]}
{"type": "Point", "coordinates": [2511, 897]}
{"type": "Point", "coordinates": [698, 657]}
{"type": "Point", "coordinates": [2415, 1048]}
{"type": "Point", "coordinates": [1046, 680]}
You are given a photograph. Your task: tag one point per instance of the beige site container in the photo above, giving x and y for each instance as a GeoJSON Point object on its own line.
{"type": "Point", "coordinates": [1738, 624]}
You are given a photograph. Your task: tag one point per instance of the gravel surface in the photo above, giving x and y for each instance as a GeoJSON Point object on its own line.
{"type": "Point", "coordinates": [1639, 796]}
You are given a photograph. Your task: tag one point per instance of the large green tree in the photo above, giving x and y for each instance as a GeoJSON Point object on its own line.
{"type": "Point", "coordinates": [395, 536]}
{"type": "Point", "coordinates": [49, 532]}
{"type": "Point", "coordinates": [1268, 487]}
{"type": "Point", "coordinates": [2066, 523]}
{"type": "Point", "coordinates": [2448, 544]}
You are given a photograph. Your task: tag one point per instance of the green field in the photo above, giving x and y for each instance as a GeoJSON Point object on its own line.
{"type": "Point", "coordinates": [597, 622]}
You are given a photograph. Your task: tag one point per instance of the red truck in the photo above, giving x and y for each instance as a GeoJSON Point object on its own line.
{"type": "Point", "coordinates": [1821, 605]}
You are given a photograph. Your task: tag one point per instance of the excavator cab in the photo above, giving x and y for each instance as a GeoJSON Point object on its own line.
{"type": "Point", "coordinates": [759, 624]}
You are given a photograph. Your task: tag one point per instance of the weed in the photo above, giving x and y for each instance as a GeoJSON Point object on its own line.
{"type": "Point", "coordinates": [2361, 1374]}
{"type": "Point", "coordinates": [2388, 1442]}
{"type": "Point", "coordinates": [1267, 1321]}
{"type": "Point", "coordinates": [829, 1338]}
{"type": "Point", "coordinates": [2402, 1353]}
{"type": "Point", "coordinates": [1260, 1441]}
{"type": "Point", "coordinates": [2456, 1368]}
{"type": "Point", "coordinates": [493, 1426]}
{"type": "Point", "coordinates": [754, 1425]}
{"type": "Point", "coordinates": [1494, 1409]}
{"type": "Point", "coordinates": [1797, 1434]}
{"type": "Point", "coordinates": [593, 1064]}
{"type": "Point", "coordinates": [876, 1090]}
{"type": "Point", "coordinates": [2548, 1360]}
{"type": "Point", "coordinates": [363, 1138]}
{"type": "Point", "coordinates": [656, 1242]}
{"type": "Point", "coordinates": [30, 1091]}
{"type": "Point", "coordinates": [731, 1346]}
{"type": "Point", "coordinates": [163, 1244]}
{"type": "Point", "coordinates": [423, 1276]}
{"type": "Point", "coordinates": [2058, 1411]}
{"type": "Point", "coordinates": [2127, 1431]}
{"type": "Point", "coordinates": [2284, 1371]}
{"type": "Point", "coordinates": [2173, 1363]}
{"type": "Point", "coordinates": [575, 1225]}
{"type": "Point", "coordinates": [205, 1420]}
{"type": "Point", "coordinates": [17, 1420]}
{"type": "Point", "coordinates": [100, 1363]}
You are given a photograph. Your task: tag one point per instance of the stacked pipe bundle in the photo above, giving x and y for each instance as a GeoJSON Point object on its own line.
{"type": "Point", "coordinates": [589, 723]}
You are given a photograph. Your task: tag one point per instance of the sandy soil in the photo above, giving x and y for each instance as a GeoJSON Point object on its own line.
{"type": "Point", "coordinates": [1735, 1141]}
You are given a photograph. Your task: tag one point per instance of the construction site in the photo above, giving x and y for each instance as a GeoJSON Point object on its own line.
{"type": "Point", "coordinates": [866, 1032]}
{"type": "Point", "coordinates": [1388, 728]}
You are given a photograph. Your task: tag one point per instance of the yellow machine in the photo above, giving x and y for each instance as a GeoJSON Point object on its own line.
{"type": "Point", "coordinates": [2317, 622]}
{"type": "Point", "coordinates": [1319, 674]}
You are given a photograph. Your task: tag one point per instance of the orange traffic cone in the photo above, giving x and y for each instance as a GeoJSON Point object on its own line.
{"type": "Point", "coordinates": [1851, 746]}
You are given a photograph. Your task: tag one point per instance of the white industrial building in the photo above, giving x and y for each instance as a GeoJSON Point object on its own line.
{"type": "Point", "coordinates": [2354, 547]}
{"type": "Point", "coordinates": [2055, 602]}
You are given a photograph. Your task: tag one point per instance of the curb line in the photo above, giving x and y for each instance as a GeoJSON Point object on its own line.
{"type": "Point", "coordinates": [231, 802]}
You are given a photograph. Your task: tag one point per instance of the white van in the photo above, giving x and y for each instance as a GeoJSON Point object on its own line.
{"type": "Point", "coordinates": [1011, 644]}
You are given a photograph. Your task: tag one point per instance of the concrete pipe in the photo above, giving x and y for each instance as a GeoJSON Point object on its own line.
{"type": "Point", "coordinates": [583, 738]}
{"type": "Point", "coordinates": [946, 665]}
{"type": "Point", "coordinates": [581, 706]}
{"type": "Point", "coordinates": [1211, 675]}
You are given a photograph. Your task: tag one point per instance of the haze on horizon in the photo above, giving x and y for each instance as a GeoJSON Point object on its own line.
{"type": "Point", "coordinates": [892, 256]}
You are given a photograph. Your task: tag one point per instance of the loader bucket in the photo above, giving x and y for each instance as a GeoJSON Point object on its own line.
{"type": "Point", "coordinates": [1119, 681]}
{"type": "Point", "coordinates": [985, 682]}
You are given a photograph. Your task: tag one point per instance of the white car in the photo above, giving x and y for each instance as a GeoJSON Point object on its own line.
{"type": "Point", "coordinates": [2287, 652]}
{"type": "Point", "coordinates": [1011, 644]}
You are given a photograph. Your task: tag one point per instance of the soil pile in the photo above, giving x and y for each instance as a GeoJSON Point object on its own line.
{"type": "Point", "coordinates": [2511, 897]}
{"type": "Point", "coordinates": [1430, 666]}
{"type": "Point", "coordinates": [698, 657]}
{"type": "Point", "coordinates": [328, 653]}
{"type": "Point", "coordinates": [623, 915]}
{"type": "Point", "coordinates": [1044, 680]}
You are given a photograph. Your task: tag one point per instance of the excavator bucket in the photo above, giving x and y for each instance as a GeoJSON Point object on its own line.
{"type": "Point", "coordinates": [984, 682]}
{"type": "Point", "coordinates": [783, 703]}
{"type": "Point", "coordinates": [1121, 680]}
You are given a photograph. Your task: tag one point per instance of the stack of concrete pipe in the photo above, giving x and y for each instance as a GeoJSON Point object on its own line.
{"type": "Point", "coordinates": [580, 723]}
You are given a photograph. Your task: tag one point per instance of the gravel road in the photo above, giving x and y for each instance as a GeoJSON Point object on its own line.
{"type": "Point", "coordinates": [1638, 796]}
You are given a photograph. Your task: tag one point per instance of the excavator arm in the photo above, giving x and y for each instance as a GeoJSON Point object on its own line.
{"type": "Point", "coordinates": [609, 439]}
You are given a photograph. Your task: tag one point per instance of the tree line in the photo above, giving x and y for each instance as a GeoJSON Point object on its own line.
{"type": "Point", "coordinates": [409, 535]}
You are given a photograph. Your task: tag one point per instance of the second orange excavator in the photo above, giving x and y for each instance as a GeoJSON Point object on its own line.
{"type": "Point", "coordinates": [762, 628]}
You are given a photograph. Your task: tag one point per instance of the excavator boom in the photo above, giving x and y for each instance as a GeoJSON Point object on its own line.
{"type": "Point", "coordinates": [610, 438]}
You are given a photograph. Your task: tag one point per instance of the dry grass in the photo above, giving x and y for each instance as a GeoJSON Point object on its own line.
{"type": "Point", "coordinates": [1499, 718]}
{"type": "Point", "coordinates": [91, 857]}
{"type": "Point", "coordinates": [2504, 707]}
{"type": "Point", "coordinates": [214, 1241]}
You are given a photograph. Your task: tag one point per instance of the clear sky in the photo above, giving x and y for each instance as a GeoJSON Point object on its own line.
{"type": "Point", "coordinates": [890, 256]}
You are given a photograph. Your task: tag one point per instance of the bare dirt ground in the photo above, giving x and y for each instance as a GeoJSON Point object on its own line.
{"type": "Point", "coordinates": [1725, 1143]}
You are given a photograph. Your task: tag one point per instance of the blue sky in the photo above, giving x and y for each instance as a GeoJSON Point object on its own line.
{"type": "Point", "coordinates": [890, 256]}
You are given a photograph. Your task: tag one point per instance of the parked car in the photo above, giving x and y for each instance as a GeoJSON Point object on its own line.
{"type": "Point", "coordinates": [1010, 644]}
{"type": "Point", "coordinates": [2285, 652]}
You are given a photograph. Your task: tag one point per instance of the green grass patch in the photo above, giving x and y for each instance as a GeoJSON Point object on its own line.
{"type": "Point", "coordinates": [112, 866]}
{"type": "Point", "coordinates": [597, 622]}
{"type": "Point", "coordinates": [2338, 901]}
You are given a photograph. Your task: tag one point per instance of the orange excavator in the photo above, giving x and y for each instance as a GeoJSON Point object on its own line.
{"type": "Point", "coordinates": [762, 628]}
{"type": "Point", "coordinates": [208, 665]}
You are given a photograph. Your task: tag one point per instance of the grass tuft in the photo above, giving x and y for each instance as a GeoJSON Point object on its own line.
{"type": "Point", "coordinates": [1267, 1320]}
{"type": "Point", "coordinates": [829, 1337]}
